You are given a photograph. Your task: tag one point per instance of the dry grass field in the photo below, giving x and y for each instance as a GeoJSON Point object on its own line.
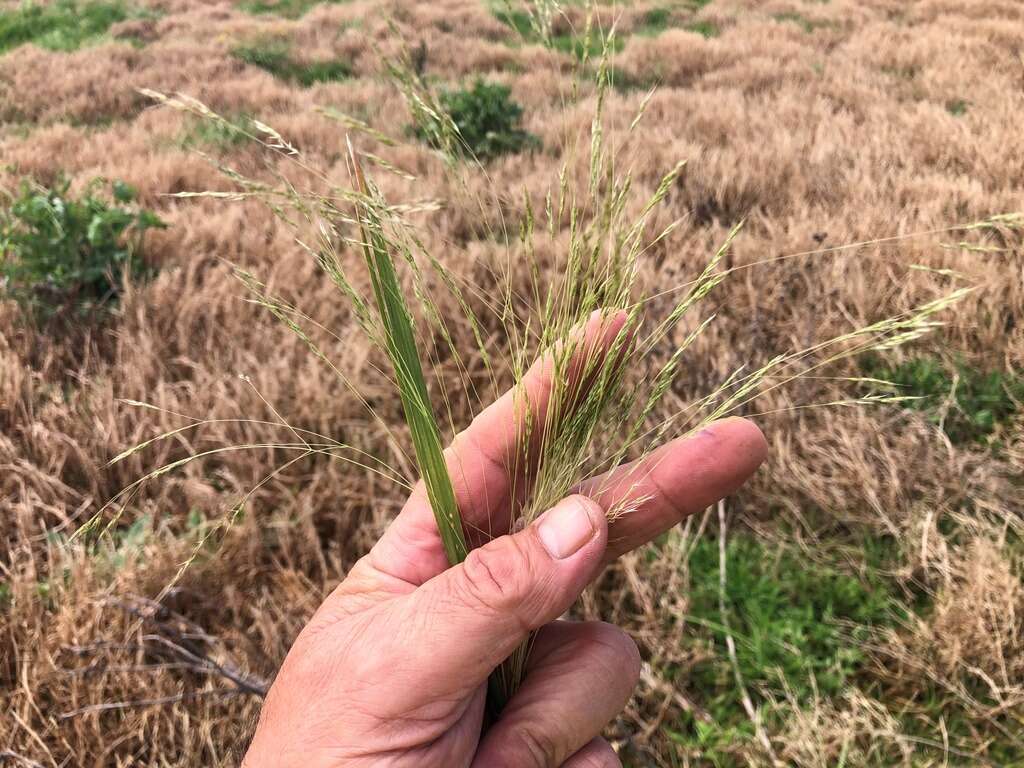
{"type": "Point", "coordinates": [872, 570]}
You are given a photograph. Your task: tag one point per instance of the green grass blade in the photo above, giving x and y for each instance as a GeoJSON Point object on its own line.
{"type": "Point", "coordinates": [400, 343]}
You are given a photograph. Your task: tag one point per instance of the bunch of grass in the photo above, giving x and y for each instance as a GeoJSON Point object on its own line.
{"type": "Point", "coordinates": [604, 407]}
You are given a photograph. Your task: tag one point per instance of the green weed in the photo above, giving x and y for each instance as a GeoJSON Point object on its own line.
{"type": "Point", "coordinates": [128, 543]}
{"type": "Point", "coordinates": [275, 58]}
{"type": "Point", "coordinates": [969, 404]}
{"type": "Point", "coordinates": [624, 81]}
{"type": "Point", "coordinates": [63, 254]}
{"type": "Point", "coordinates": [487, 119]}
{"type": "Point", "coordinates": [60, 26]}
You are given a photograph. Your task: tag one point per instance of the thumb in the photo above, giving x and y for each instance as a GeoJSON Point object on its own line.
{"type": "Point", "coordinates": [471, 617]}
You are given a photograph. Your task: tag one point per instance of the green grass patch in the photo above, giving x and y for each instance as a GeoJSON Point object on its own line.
{"type": "Point", "coordinates": [584, 46]}
{"type": "Point", "coordinates": [517, 20]}
{"type": "Point", "coordinates": [654, 22]}
{"type": "Point", "coordinates": [275, 57]}
{"type": "Point", "coordinates": [704, 29]}
{"type": "Point", "coordinates": [64, 25]}
{"type": "Point", "coordinates": [791, 620]}
{"type": "Point", "coordinates": [807, 25]}
{"type": "Point", "coordinates": [935, 714]}
{"type": "Point", "coordinates": [625, 82]}
{"type": "Point", "coordinates": [968, 403]}
{"type": "Point", "coordinates": [61, 255]}
{"type": "Point", "coordinates": [290, 9]}
{"type": "Point", "coordinates": [957, 107]}
{"type": "Point", "coordinates": [218, 135]}
{"type": "Point", "coordinates": [487, 118]}
{"type": "Point", "coordinates": [579, 44]}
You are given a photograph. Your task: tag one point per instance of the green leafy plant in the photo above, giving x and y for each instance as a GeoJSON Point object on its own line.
{"type": "Point", "coordinates": [654, 22]}
{"type": "Point", "coordinates": [275, 57]}
{"type": "Point", "coordinates": [533, 20]}
{"type": "Point", "coordinates": [63, 25]}
{"type": "Point", "coordinates": [62, 253]}
{"type": "Point", "coordinates": [969, 404]}
{"type": "Point", "coordinates": [486, 119]}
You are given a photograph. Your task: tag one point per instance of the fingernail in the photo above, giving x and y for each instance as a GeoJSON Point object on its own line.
{"type": "Point", "coordinates": [567, 526]}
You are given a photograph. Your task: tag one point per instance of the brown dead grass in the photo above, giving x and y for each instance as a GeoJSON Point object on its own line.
{"type": "Point", "coordinates": [818, 138]}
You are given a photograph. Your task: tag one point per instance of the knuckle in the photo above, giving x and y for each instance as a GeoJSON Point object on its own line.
{"type": "Point", "coordinates": [493, 574]}
{"type": "Point", "coordinates": [595, 755]}
{"type": "Point", "coordinates": [535, 749]}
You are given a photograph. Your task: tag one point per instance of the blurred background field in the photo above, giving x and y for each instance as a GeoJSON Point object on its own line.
{"type": "Point", "coordinates": [870, 576]}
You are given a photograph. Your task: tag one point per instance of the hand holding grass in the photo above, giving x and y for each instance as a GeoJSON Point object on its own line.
{"type": "Point", "coordinates": [392, 670]}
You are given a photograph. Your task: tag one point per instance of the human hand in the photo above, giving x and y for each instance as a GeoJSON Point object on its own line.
{"type": "Point", "coordinates": [392, 669]}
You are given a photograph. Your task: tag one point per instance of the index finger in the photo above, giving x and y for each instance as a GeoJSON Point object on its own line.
{"type": "Point", "coordinates": [486, 460]}
{"type": "Point", "coordinates": [681, 478]}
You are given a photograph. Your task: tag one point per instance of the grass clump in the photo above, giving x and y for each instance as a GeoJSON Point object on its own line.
{"type": "Point", "coordinates": [275, 57]}
{"type": "Point", "coordinates": [62, 254]}
{"type": "Point", "coordinates": [64, 25]}
{"type": "Point", "coordinates": [486, 118]}
{"type": "Point", "coordinates": [968, 404]}
{"type": "Point", "coordinates": [290, 9]}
